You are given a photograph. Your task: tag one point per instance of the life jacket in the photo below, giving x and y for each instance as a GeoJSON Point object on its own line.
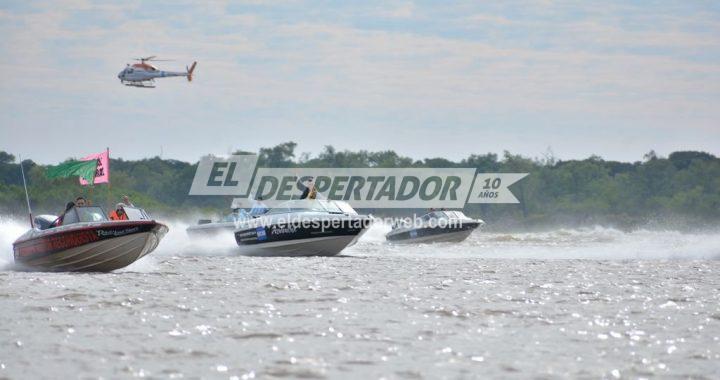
{"type": "Point", "coordinates": [114, 216]}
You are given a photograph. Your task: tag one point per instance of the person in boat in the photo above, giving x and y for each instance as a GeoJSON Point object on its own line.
{"type": "Point", "coordinates": [258, 207]}
{"type": "Point", "coordinates": [307, 185]}
{"type": "Point", "coordinates": [239, 214]}
{"type": "Point", "coordinates": [310, 192]}
{"type": "Point", "coordinates": [126, 201]}
{"type": "Point", "coordinates": [80, 202]}
{"type": "Point", "coordinates": [119, 212]}
{"type": "Point", "coordinates": [236, 215]}
{"type": "Point", "coordinates": [59, 221]}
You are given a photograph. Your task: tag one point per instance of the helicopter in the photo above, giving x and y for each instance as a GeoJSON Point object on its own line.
{"type": "Point", "coordinates": [143, 74]}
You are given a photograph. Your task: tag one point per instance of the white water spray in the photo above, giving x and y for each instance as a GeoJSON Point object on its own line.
{"type": "Point", "coordinates": [597, 243]}
{"type": "Point", "coordinates": [9, 231]}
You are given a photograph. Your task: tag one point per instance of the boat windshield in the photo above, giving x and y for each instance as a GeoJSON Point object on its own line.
{"type": "Point", "coordinates": [444, 215]}
{"type": "Point", "coordinates": [345, 207]}
{"type": "Point", "coordinates": [85, 214]}
{"type": "Point", "coordinates": [439, 215]}
{"type": "Point", "coordinates": [237, 215]}
{"type": "Point", "coordinates": [457, 214]}
{"type": "Point", "coordinates": [135, 213]}
{"type": "Point", "coordinates": [305, 205]}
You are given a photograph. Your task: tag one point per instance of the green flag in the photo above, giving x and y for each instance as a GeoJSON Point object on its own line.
{"type": "Point", "coordinates": [84, 169]}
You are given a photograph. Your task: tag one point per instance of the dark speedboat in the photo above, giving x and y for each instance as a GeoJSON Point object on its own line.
{"type": "Point", "coordinates": [302, 228]}
{"type": "Point", "coordinates": [87, 241]}
{"type": "Point", "coordinates": [435, 227]}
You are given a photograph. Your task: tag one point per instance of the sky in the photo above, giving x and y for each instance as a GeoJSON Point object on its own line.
{"type": "Point", "coordinates": [426, 79]}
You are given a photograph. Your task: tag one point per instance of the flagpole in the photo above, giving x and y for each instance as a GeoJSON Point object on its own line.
{"type": "Point", "coordinates": [27, 197]}
{"type": "Point", "coordinates": [109, 205]}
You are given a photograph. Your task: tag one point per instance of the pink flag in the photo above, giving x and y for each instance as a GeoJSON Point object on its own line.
{"type": "Point", "coordinates": [102, 172]}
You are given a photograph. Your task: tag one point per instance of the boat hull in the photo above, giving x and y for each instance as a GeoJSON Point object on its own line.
{"type": "Point", "coordinates": [321, 246]}
{"type": "Point", "coordinates": [93, 248]}
{"type": "Point", "coordinates": [453, 234]}
{"type": "Point", "coordinates": [288, 240]}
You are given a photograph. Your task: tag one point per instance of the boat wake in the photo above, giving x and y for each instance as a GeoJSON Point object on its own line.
{"type": "Point", "coordinates": [178, 243]}
{"type": "Point", "coordinates": [597, 243]}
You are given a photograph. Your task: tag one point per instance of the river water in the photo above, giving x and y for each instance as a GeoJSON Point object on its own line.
{"type": "Point", "coordinates": [584, 303]}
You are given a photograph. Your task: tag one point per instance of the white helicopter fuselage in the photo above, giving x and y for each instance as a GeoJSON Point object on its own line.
{"type": "Point", "coordinates": [137, 75]}
{"type": "Point", "coordinates": [143, 74]}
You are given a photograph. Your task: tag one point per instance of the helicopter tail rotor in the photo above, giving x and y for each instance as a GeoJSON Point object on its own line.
{"type": "Point", "coordinates": [190, 71]}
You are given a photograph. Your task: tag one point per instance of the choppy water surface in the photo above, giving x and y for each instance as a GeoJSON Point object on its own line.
{"type": "Point", "coordinates": [568, 303]}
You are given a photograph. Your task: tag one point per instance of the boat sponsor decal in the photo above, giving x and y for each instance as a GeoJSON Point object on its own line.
{"type": "Point", "coordinates": [261, 235]}
{"type": "Point", "coordinates": [283, 230]}
{"type": "Point", "coordinates": [247, 234]}
{"type": "Point", "coordinates": [116, 233]}
{"type": "Point", "coordinates": [55, 243]}
{"type": "Point", "coordinates": [362, 187]}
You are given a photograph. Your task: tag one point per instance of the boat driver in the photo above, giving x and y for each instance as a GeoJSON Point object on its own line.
{"type": "Point", "coordinates": [310, 192]}
{"type": "Point", "coordinates": [258, 207]}
{"type": "Point", "coordinates": [59, 221]}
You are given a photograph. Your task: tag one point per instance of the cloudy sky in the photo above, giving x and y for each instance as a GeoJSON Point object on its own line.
{"type": "Point", "coordinates": [426, 79]}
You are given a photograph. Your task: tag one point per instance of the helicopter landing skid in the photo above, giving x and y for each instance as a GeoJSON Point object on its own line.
{"type": "Point", "coordinates": [140, 84]}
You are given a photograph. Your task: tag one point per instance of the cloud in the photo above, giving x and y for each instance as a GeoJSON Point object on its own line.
{"type": "Point", "coordinates": [397, 66]}
{"type": "Point", "coordinates": [401, 10]}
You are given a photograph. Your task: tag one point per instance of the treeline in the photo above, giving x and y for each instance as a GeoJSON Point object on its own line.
{"type": "Point", "coordinates": [683, 187]}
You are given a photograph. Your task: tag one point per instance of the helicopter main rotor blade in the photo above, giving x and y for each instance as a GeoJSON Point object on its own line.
{"type": "Point", "coordinates": [150, 58]}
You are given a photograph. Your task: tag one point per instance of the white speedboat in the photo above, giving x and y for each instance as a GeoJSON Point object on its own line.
{"type": "Point", "coordinates": [206, 228]}
{"type": "Point", "coordinates": [302, 228]}
{"type": "Point", "coordinates": [435, 227]}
